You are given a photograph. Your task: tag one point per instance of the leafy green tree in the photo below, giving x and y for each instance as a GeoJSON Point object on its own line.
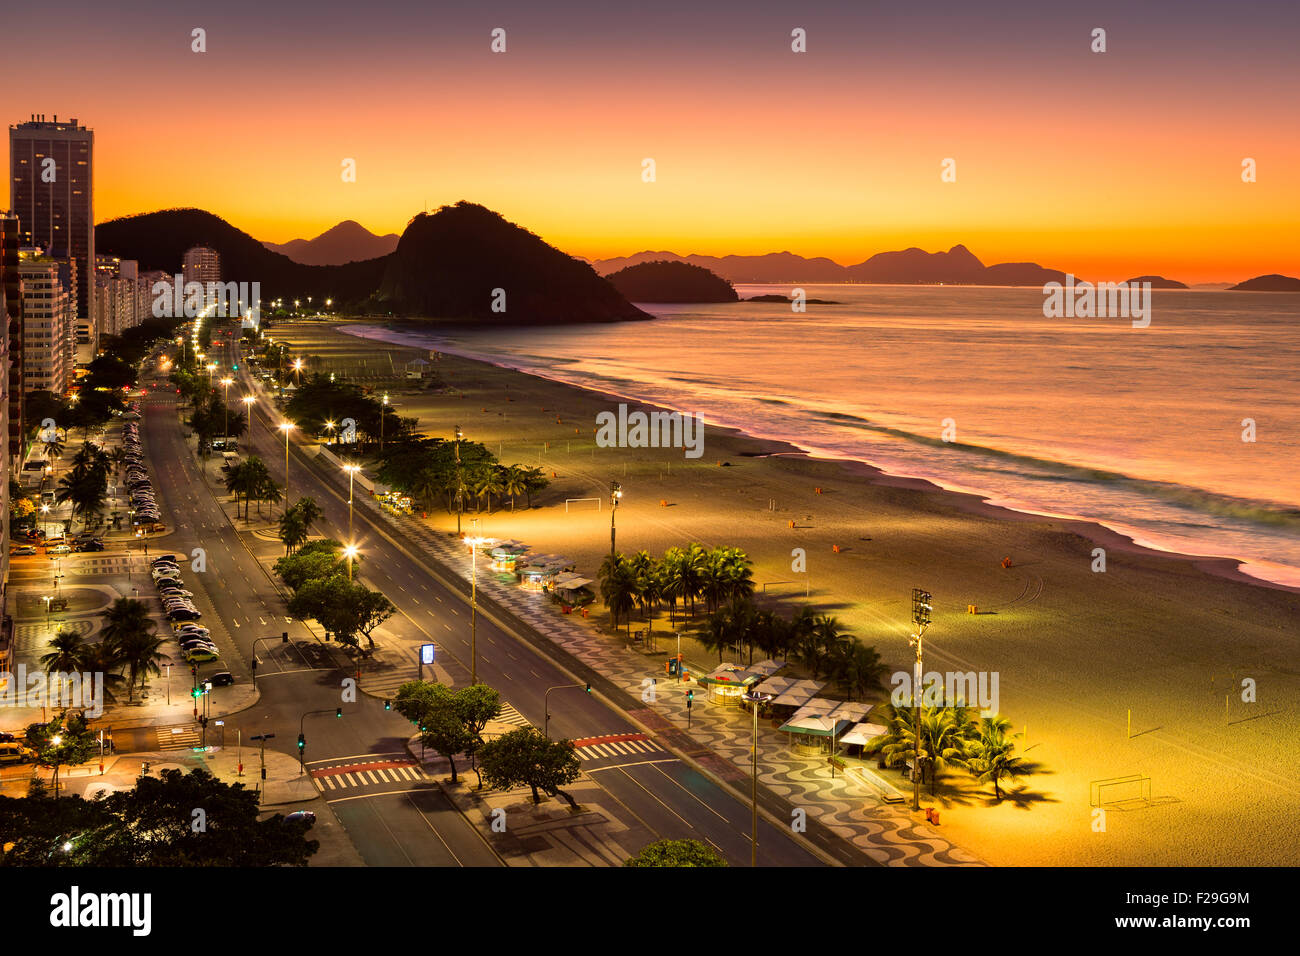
{"type": "Point", "coordinates": [314, 560]}
{"type": "Point", "coordinates": [861, 670]}
{"type": "Point", "coordinates": [433, 709]}
{"type": "Point", "coordinates": [175, 820]}
{"type": "Point", "coordinates": [676, 853]}
{"type": "Point", "coordinates": [524, 758]}
{"type": "Point", "coordinates": [65, 740]}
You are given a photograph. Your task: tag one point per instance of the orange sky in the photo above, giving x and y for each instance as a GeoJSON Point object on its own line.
{"type": "Point", "coordinates": [1108, 165]}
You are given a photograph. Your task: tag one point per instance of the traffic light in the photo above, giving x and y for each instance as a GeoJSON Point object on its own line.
{"type": "Point", "coordinates": [196, 693]}
{"type": "Point", "coordinates": [194, 670]}
{"type": "Point", "coordinates": [388, 705]}
{"type": "Point", "coordinates": [588, 688]}
{"type": "Point", "coordinates": [690, 698]}
{"type": "Point", "coordinates": [338, 711]}
{"type": "Point", "coordinates": [302, 742]}
{"type": "Point", "coordinates": [284, 637]}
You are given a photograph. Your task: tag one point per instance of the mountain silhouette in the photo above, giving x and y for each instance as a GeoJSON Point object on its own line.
{"type": "Point", "coordinates": [349, 241]}
{"type": "Point", "coordinates": [158, 240]}
{"type": "Point", "coordinates": [466, 262]}
{"type": "Point", "coordinates": [957, 266]}
{"type": "Point", "coordinates": [664, 281]}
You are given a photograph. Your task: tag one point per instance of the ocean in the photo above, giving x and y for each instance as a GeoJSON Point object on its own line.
{"type": "Point", "coordinates": [1143, 430]}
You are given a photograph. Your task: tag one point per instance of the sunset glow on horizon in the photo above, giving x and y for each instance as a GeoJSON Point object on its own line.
{"type": "Point", "coordinates": [1108, 165]}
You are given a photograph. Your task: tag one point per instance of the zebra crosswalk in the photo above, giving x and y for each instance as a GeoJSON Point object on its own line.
{"type": "Point", "coordinates": [618, 747]}
{"type": "Point", "coordinates": [509, 715]}
{"type": "Point", "coordinates": [367, 774]}
{"type": "Point", "coordinates": [177, 738]}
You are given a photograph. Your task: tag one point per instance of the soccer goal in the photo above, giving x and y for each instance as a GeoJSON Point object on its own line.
{"type": "Point", "coordinates": [568, 501]}
{"type": "Point", "coordinates": [1134, 789]}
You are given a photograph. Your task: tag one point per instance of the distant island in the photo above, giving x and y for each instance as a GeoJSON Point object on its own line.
{"type": "Point", "coordinates": [349, 241]}
{"type": "Point", "coordinates": [1268, 283]}
{"type": "Point", "coordinates": [1159, 282]}
{"type": "Point", "coordinates": [671, 282]}
{"type": "Point", "coordinates": [777, 297]}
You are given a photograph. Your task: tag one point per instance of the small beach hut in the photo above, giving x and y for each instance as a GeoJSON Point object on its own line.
{"type": "Point", "coordinates": [814, 733]}
{"type": "Point", "coordinates": [727, 682]}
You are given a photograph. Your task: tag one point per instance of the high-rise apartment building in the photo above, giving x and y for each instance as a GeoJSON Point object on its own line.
{"type": "Point", "coordinates": [48, 325]}
{"type": "Point", "coordinates": [201, 265]}
{"type": "Point", "coordinates": [12, 286]}
{"type": "Point", "coordinates": [51, 185]}
{"type": "Point", "coordinates": [117, 298]}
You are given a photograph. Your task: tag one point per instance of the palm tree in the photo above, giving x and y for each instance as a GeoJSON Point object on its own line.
{"type": "Point", "coordinates": [293, 530]}
{"type": "Point", "coordinates": [992, 756]}
{"type": "Point", "coordinates": [142, 653]}
{"type": "Point", "coordinates": [719, 632]}
{"type": "Point", "coordinates": [862, 670]}
{"type": "Point", "coordinates": [694, 565]}
{"type": "Point", "coordinates": [618, 588]}
{"type": "Point", "coordinates": [100, 659]}
{"type": "Point", "coordinates": [737, 574]}
{"type": "Point", "coordinates": [534, 480]}
{"type": "Point", "coordinates": [129, 637]}
{"type": "Point", "coordinates": [427, 486]}
{"type": "Point", "coordinates": [68, 653]}
{"type": "Point", "coordinates": [943, 741]}
{"type": "Point", "coordinates": [267, 491]}
{"type": "Point", "coordinates": [54, 445]}
{"type": "Point", "coordinates": [514, 482]}
{"type": "Point", "coordinates": [309, 513]}
{"type": "Point", "coordinates": [649, 586]}
{"type": "Point", "coordinates": [673, 585]}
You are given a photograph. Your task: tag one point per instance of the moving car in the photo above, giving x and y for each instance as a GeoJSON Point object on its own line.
{"type": "Point", "coordinates": [301, 816]}
{"type": "Point", "coordinates": [59, 549]}
{"type": "Point", "coordinates": [89, 546]}
{"type": "Point", "coordinates": [24, 549]}
{"type": "Point", "coordinates": [222, 679]}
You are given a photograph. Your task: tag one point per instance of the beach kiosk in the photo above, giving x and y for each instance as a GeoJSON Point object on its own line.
{"type": "Point", "coordinates": [505, 556]}
{"type": "Point", "coordinates": [573, 589]}
{"type": "Point", "coordinates": [813, 733]}
{"type": "Point", "coordinates": [728, 682]}
{"type": "Point", "coordinates": [538, 572]}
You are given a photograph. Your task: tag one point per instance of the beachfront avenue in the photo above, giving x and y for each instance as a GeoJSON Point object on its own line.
{"type": "Point", "coordinates": [375, 799]}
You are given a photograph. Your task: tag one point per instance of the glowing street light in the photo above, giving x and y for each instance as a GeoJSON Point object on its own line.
{"type": "Point", "coordinates": [350, 552]}
{"type": "Point", "coordinates": [615, 493]}
{"type": "Point", "coordinates": [248, 401]}
{"type": "Point", "coordinates": [383, 413]}
{"type": "Point", "coordinates": [227, 382]}
{"type": "Point", "coordinates": [352, 473]}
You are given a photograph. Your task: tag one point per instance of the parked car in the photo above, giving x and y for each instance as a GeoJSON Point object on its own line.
{"type": "Point", "coordinates": [183, 614]}
{"type": "Point", "coordinates": [200, 655]}
{"type": "Point", "coordinates": [24, 549]}
{"type": "Point", "coordinates": [301, 816]}
{"type": "Point", "coordinates": [89, 546]}
{"type": "Point", "coordinates": [11, 751]}
{"type": "Point", "coordinates": [59, 549]}
{"type": "Point", "coordinates": [222, 679]}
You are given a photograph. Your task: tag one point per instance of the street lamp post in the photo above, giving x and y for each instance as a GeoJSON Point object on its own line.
{"type": "Point", "coordinates": [286, 427]}
{"type": "Point", "coordinates": [352, 473]}
{"type": "Point", "coordinates": [615, 493]}
{"type": "Point", "coordinates": [350, 552]}
{"type": "Point", "coordinates": [757, 699]}
{"type": "Point", "coordinates": [474, 542]}
{"type": "Point", "coordinates": [921, 610]}
{"type": "Point", "coordinates": [225, 407]}
{"type": "Point", "coordinates": [546, 706]}
{"type": "Point", "coordinates": [383, 413]}
{"type": "Point", "coordinates": [459, 435]}
{"type": "Point", "coordinates": [248, 401]}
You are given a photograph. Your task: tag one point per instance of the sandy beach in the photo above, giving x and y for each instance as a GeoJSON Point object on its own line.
{"type": "Point", "coordinates": [1167, 639]}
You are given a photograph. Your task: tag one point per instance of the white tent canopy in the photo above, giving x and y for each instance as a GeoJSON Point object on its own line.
{"type": "Point", "coordinates": [862, 734]}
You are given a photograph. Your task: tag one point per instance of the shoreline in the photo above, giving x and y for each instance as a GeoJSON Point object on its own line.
{"type": "Point", "coordinates": [1079, 653]}
{"type": "Point", "coordinates": [970, 502]}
